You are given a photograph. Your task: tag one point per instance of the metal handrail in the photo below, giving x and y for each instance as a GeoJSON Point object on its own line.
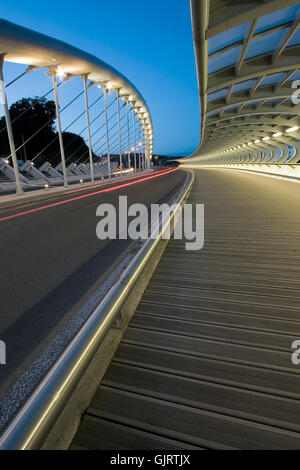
{"type": "Point", "coordinates": [34, 421]}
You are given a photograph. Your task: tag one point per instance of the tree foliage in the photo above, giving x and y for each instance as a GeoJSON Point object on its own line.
{"type": "Point", "coordinates": [36, 117]}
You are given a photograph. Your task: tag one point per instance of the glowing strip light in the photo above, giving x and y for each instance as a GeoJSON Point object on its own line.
{"type": "Point", "coordinates": [292, 129]}
{"type": "Point", "coordinates": [38, 209]}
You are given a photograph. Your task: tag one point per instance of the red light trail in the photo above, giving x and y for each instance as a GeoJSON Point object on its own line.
{"type": "Point", "coordinates": [106, 190]}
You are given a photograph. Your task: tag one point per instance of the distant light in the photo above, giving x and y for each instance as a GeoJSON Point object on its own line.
{"type": "Point", "coordinates": [31, 163]}
{"type": "Point", "coordinates": [292, 129]}
{"type": "Point", "coordinates": [109, 86]}
{"type": "Point", "coordinates": [266, 138]}
{"type": "Point", "coordinates": [46, 186]}
{"type": "Point", "coordinates": [81, 181]}
{"type": "Point", "coordinates": [60, 73]}
{"type": "Point", "coordinates": [278, 134]}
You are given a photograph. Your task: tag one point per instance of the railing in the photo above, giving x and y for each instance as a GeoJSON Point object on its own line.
{"type": "Point", "coordinates": [32, 424]}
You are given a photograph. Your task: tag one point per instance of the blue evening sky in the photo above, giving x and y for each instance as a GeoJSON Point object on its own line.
{"type": "Point", "coordinates": [149, 41]}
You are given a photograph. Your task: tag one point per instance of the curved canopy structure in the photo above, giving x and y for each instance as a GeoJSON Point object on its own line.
{"type": "Point", "coordinates": [24, 46]}
{"type": "Point", "coordinates": [248, 64]}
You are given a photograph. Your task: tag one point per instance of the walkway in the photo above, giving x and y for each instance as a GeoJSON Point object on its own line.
{"type": "Point", "coordinates": [206, 360]}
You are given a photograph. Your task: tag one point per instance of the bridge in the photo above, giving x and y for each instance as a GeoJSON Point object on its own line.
{"type": "Point", "coordinates": [143, 344]}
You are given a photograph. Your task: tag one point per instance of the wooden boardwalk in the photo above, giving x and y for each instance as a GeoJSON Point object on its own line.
{"type": "Point", "coordinates": [206, 360]}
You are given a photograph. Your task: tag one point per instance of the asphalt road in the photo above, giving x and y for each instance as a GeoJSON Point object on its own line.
{"type": "Point", "coordinates": [52, 262]}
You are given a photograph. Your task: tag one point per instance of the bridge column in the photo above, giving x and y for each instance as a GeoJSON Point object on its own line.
{"type": "Point", "coordinates": [139, 146]}
{"type": "Point", "coordinates": [19, 189]}
{"type": "Point", "coordinates": [61, 143]}
{"type": "Point", "coordinates": [119, 129]}
{"type": "Point", "coordinates": [84, 78]}
{"type": "Point", "coordinates": [107, 132]}
{"type": "Point", "coordinates": [134, 141]}
{"type": "Point", "coordinates": [128, 139]}
{"type": "Point", "coordinates": [147, 151]}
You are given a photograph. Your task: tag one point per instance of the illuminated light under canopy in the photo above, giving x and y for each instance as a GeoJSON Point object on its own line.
{"type": "Point", "coordinates": [266, 138]}
{"type": "Point", "coordinates": [293, 129]}
{"type": "Point", "coordinates": [278, 134]}
{"type": "Point", "coordinates": [60, 73]}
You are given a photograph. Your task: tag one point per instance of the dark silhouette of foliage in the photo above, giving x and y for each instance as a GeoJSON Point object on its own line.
{"type": "Point", "coordinates": [35, 115]}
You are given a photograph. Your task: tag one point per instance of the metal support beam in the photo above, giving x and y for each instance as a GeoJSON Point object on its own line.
{"type": "Point", "coordinates": [119, 130]}
{"type": "Point", "coordinates": [84, 78]}
{"type": "Point", "coordinates": [285, 79]}
{"type": "Point", "coordinates": [128, 139]}
{"type": "Point", "coordinates": [61, 143]}
{"type": "Point", "coordinates": [246, 44]}
{"type": "Point", "coordinates": [134, 141]}
{"type": "Point", "coordinates": [19, 189]}
{"type": "Point", "coordinates": [286, 39]}
{"type": "Point", "coordinates": [254, 88]}
{"type": "Point", "coordinates": [107, 131]}
{"type": "Point", "coordinates": [200, 20]}
{"type": "Point", "coordinates": [139, 146]}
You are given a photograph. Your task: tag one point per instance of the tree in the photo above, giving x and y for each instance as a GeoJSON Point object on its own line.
{"type": "Point", "coordinates": [33, 119]}
{"type": "Point", "coordinates": [29, 116]}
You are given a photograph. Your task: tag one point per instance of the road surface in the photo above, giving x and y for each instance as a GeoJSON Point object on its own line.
{"type": "Point", "coordinates": [52, 262]}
